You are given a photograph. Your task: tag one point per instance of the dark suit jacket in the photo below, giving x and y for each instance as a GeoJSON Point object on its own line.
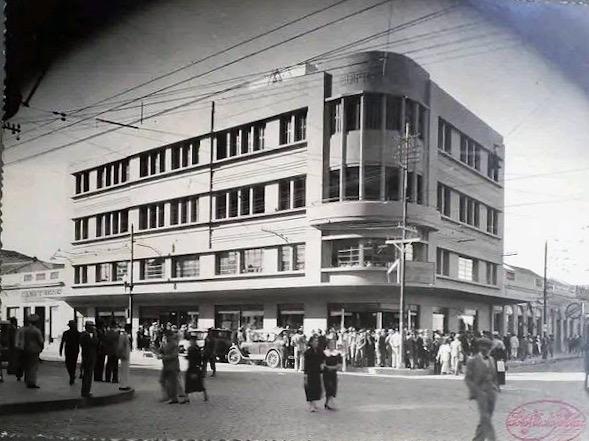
{"type": "Point", "coordinates": [89, 345]}
{"type": "Point", "coordinates": [480, 377]}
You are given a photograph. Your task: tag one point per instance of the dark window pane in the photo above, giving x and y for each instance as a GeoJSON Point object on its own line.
{"type": "Point", "coordinates": [259, 201]}
{"type": "Point", "coordinates": [392, 184]}
{"type": "Point", "coordinates": [299, 192]}
{"type": "Point", "coordinates": [195, 148]}
{"type": "Point", "coordinates": [221, 206]}
{"type": "Point", "coordinates": [233, 201]}
{"type": "Point", "coordinates": [372, 181]}
{"type": "Point", "coordinates": [284, 195]}
{"type": "Point", "coordinates": [245, 201]}
{"type": "Point", "coordinates": [334, 181]}
{"type": "Point", "coordinates": [352, 111]}
{"type": "Point", "coordinates": [373, 112]}
{"type": "Point", "coordinates": [175, 158]}
{"type": "Point", "coordinates": [393, 113]}
{"type": "Point", "coordinates": [221, 146]}
{"type": "Point", "coordinates": [352, 182]}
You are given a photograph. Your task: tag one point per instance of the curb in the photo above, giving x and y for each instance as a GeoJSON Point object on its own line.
{"type": "Point", "coordinates": [68, 403]}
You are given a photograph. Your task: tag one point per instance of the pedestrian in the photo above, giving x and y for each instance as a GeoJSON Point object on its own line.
{"type": "Point", "coordinates": [381, 348]}
{"type": "Point", "coordinates": [514, 343]}
{"type": "Point", "coordinates": [194, 376]}
{"type": "Point", "coordinates": [70, 341]}
{"type": "Point", "coordinates": [14, 353]}
{"type": "Point", "coordinates": [396, 356]}
{"type": "Point", "coordinates": [100, 353]}
{"type": "Point", "coordinates": [89, 343]}
{"type": "Point", "coordinates": [332, 363]}
{"type": "Point", "coordinates": [444, 357]}
{"type": "Point", "coordinates": [170, 367]}
{"type": "Point", "coordinates": [33, 346]}
{"type": "Point", "coordinates": [210, 353]}
{"type": "Point", "coordinates": [499, 354]}
{"type": "Point", "coordinates": [482, 385]}
{"type": "Point", "coordinates": [111, 342]}
{"type": "Point", "coordinates": [123, 353]}
{"type": "Point", "coordinates": [456, 354]}
{"type": "Point", "coordinates": [299, 342]}
{"type": "Point", "coordinates": [313, 367]}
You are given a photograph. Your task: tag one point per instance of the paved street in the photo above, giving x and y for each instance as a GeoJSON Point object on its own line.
{"type": "Point", "coordinates": [270, 405]}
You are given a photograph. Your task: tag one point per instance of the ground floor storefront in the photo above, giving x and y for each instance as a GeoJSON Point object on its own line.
{"type": "Point", "coordinates": [360, 307]}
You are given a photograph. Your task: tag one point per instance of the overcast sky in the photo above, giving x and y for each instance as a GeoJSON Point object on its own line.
{"type": "Point", "coordinates": [491, 59]}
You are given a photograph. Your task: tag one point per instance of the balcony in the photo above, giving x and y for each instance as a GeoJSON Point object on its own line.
{"type": "Point", "coordinates": [325, 215]}
{"type": "Point", "coordinates": [416, 274]}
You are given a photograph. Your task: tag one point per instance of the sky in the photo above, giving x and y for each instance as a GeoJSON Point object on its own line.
{"type": "Point", "coordinates": [495, 61]}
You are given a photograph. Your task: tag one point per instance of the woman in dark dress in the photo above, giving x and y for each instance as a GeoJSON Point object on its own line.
{"type": "Point", "coordinates": [194, 374]}
{"type": "Point", "coordinates": [332, 363]}
{"type": "Point", "coordinates": [499, 354]}
{"type": "Point", "coordinates": [313, 367]}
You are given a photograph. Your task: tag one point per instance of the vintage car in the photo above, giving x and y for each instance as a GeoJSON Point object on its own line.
{"type": "Point", "coordinates": [266, 346]}
{"type": "Point", "coordinates": [221, 339]}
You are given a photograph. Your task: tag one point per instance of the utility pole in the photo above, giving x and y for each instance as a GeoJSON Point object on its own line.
{"type": "Point", "coordinates": [130, 306]}
{"type": "Point", "coordinates": [545, 283]}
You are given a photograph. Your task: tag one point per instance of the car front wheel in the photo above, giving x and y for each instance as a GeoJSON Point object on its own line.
{"type": "Point", "coordinates": [234, 357]}
{"type": "Point", "coordinates": [273, 359]}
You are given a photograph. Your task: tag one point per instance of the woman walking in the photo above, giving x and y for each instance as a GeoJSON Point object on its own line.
{"type": "Point", "coordinates": [170, 368]}
{"type": "Point", "coordinates": [194, 381]}
{"type": "Point", "coordinates": [443, 357]}
{"type": "Point", "coordinates": [332, 363]}
{"type": "Point", "coordinates": [313, 367]}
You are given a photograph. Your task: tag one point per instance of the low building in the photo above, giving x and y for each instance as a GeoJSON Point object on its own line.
{"type": "Point", "coordinates": [34, 287]}
{"type": "Point", "coordinates": [565, 307]}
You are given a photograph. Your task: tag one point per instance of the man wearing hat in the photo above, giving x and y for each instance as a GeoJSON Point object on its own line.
{"type": "Point", "coordinates": [70, 340]}
{"type": "Point", "coordinates": [89, 343]}
{"type": "Point", "coordinates": [482, 385]}
{"type": "Point", "coordinates": [33, 346]}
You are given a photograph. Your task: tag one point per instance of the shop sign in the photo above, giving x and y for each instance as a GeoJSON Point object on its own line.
{"type": "Point", "coordinates": [574, 311]}
{"type": "Point", "coordinates": [32, 295]}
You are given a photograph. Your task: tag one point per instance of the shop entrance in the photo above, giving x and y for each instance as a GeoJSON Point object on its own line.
{"type": "Point", "coordinates": [175, 315]}
{"type": "Point", "coordinates": [234, 317]}
{"type": "Point", "coordinates": [369, 316]}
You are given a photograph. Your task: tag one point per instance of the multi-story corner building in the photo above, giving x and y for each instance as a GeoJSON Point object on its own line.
{"type": "Point", "coordinates": [31, 286]}
{"type": "Point", "coordinates": [565, 306]}
{"type": "Point", "coordinates": [279, 214]}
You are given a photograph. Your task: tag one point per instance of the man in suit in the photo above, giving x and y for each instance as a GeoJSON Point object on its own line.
{"type": "Point", "coordinates": [209, 352]}
{"type": "Point", "coordinates": [70, 340]}
{"type": "Point", "coordinates": [100, 353]}
{"type": "Point", "coordinates": [89, 343]}
{"type": "Point", "coordinates": [111, 341]}
{"type": "Point", "coordinates": [482, 386]}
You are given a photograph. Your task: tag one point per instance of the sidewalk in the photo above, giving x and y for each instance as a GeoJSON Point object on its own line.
{"type": "Point", "coordinates": [55, 393]}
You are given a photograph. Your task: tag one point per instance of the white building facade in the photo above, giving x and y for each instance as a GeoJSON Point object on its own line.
{"type": "Point", "coordinates": [279, 214]}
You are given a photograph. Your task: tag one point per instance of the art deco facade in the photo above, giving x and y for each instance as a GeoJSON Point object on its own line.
{"type": "Point", "coordinates": [279, 214]}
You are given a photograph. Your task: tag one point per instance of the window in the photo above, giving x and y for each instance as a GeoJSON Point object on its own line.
{"type": "Point", "coordinates": [185, 266]}
{"type": "Point", "coordinates": [259, 131]}
{"type": "Point", "coordinates": [372, 179]}
{"type": "Point", "coordinates": [81, 229]}
{"type": "Point", "coordinates": [54, 275]}
{"type": "Point", "coordinates": [291, 193]}
{"type": "Point", "coordinates": [251, 261]}
{"type": "Point", "coordinates": [233, 203]}
{"type": "Point", "coordinates": [492, 220]}
{"type": "Point", "coordinates": [393, 113]}
{"type": "Point", "coordinates": [469, 211]}
{"type": "Point", "coordinates": [300, 126]}
{"type": "Point", "coordinates": [470, 152]}
{"type": "Point", "coordinates": [152, 163]}
{"type": "Point", "coordinates": [258, 199]}
{"type": "Point", "coordinates": [221, 206]}
{"type": "Point", "coordinates": [333, 185]}
{"type": "Point", "coordinates": [40, 276]}
{"type": "Point", "coordinates": [444, 136]}
{"type": "Point", "coordinates": [246, 140]}
{"type": "Point", "coordinates": [442, 262]}
{"type": "Point", "coordinates": [286, 130]}
{"type": "Point", "coordinates": [291, 257]}
{"type": "Point", "coordinates": [444, 200]}
{"type": "Point", "coordinates": [392, 187]}
{"type": "Point", "coordinates": [364, 252]}
{"type": "Point", "coordinates": [421, 121]}
{"type": "Point", "coordinates": [82, 182]}
{"type": "Point", "coordinates": [467, 269]}
{"type": "Point", "coordinates": [120, 270]}
{"type": "Point", "coordinates": [28, 278]}
{"type": "Point", "coordinates": [234, 142]}
{"type": "Point", "coordinates": [151, 269]}
{"type": "Point", "coordinates": [80, 274]}
{"type": "Point", "coordinates": [493, 166]}
{"type": "Point", "coordinates": [221, 140]}
{"type": "Point", "coordinates": [244, 203]}
{"type": "Point", "coordinates": [226, 263]}
{"type": "Point", "coordinates": [335, 116]}
{"type": "Point", "coordinates": [373, 112]}
{"type": "Point", "coordinates": [112, 223]}
{"type": "Point", "coordinates": [352, 182]}
{"type": "Point", "coordinates": [410, 116]}
{"type": "Point", "coordinates": [419, 189]}
{"type": "Point", "coordinates": [352, 112]}
{"type": "Point", "coordinates": [104, 272]}
{"type": "Point", "coordinates": [151, 216]}
{"type": "Point", "coordinates": [183, 211]}
{"type": "Point", "coordinates": [99, 177]}
{"type": "Point", "coordinates": [491, 273]}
